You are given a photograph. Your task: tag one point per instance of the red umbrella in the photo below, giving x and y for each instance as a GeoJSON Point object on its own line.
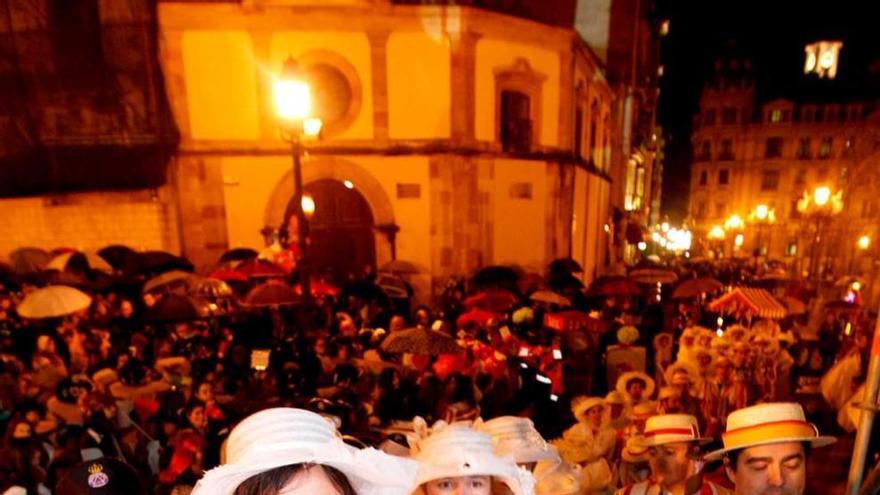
{"type": "Point", "coordinates": [615, 286]}
{"type": "Point", "coordinates": [258, 268]}
{"type": "Point", "coordinates": [498, 300]}
{"type": "Point", "coordinates": [228, 275]}
{"type": "Point", "coordinates": [319, 288]}
{"type": "Point", "coordinates": [271, 294]}
{"type": "Point", "coordinates": [479, 316]}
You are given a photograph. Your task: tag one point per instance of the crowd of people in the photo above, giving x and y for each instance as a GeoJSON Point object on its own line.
{"type": "Point", "coordinates": [275, 398]}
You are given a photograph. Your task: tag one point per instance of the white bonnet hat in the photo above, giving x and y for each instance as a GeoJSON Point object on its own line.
{"type": "Point", "coordinates": [457, 450]}
{"type": "Point", "coordinates": [517, 437]}
{"type": "Point", "coordinates": [283, 436]}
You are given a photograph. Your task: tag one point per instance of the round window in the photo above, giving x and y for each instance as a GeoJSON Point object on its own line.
{"type": "Point", "coordinates": [331, 93]}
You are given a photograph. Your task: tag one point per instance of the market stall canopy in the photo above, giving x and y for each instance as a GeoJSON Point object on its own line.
{"type": "Point", "coordinates": [749, 302]}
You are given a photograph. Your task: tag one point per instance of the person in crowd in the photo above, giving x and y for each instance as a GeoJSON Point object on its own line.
{"type": "Point", "coordinates": [636, 387]}
{"type": "Point", "coordinates": [765, 448]}
{"type": "Point", "coordinates": [673, 442]}
{"type": "Point", "coordinates": [297, 452]}
{"type": "Point", "coordinates": [589, 443]}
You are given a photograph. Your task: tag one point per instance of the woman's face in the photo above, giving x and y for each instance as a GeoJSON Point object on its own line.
{"type": "Point", "coordinates": [463, 485]}
{"type": "Point", "coordinates": [205, 393]}
{"type": "Point", "coordinates": [197, 417]}
{"type": "Point", "coordinates": [310, 481]}
{"type": "Point", "coordinates": [594, 415]}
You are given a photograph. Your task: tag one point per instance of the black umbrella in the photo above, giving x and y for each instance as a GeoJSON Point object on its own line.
{"type": "Point", "coordinates": [117, 255]}
{"type": "Point", "coordinates": [239, 254]}
{"type": "Point", "coordinates": [29, 260]}
{"type": "Point", "coordinates": [210, 288]}
{"type": "Point", "coordinates": [158, 262]}
{"type": "Point", "coordinates": [498, 277]}
{"type": "Point", "coordinates": [565, 265]}
{"type": "Point", "coordinates": [271, 295]}
{"type": "Point", "coordinates": [174, 308]}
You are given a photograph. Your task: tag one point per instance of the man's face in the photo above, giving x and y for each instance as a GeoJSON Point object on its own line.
{"type": "Point", "coordinates": [635, 389]}
{"type": "Point", "coordinates": [777, 469]}
{"type": "Point", "coordinates": [670, 463]}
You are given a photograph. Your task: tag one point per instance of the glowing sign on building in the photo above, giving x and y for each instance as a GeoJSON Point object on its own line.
{"type": "Point", "coordinates": [822, 57]}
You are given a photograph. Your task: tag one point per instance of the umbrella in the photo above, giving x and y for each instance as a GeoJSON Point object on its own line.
{"type": "Point", "coordinates": [29, 259]}
{"type": "Point", "coordinates": [696, 287]}
{"type": "Point", "coordinates": [175, 307]}
{"type": "Point", "coordinates": [777, 274]}
{"type": "Point", "coordinates": [498, 276]}
{"type": "Point", "coordinates": [420, 341]}
{"type": "Point", "coordinates": [210, 288]}
{"type": "Point", "coordinates": [550, 297]}
{"type": "Point", "coordinates": [480, 317]}
{"type": "Point", "coordinates": [496, 300]}
{"type": "Point", "coordinates": [158, 262]}
{"type": "Point", "coordinates": [653, 276]}
{"type": "Point", "coordinates": [117, 255]}
{"type": "Point", "coordinates": [794, 305]}
{"type": "Point", "coordinates": [53, 301]}
{"type": "Point", "coordinates": [399, 266]}
{"type": "Point", "coordinates": [257, 268]}
{"type": "Point", "coordinates": [239, 254]}
{"type": "Point", "coordinates": [271, 294]}
{"type": "Point", "coordinates": [168, 282]}
{"type": "Point", "coordinates": [366, 290]}
{"type": "Point", "coordinates": [81, 262]}
{"type": "Point", "coordinates": [228, 275]}
{"type": "Point", "coordinates": [319, 288]}
{"type": "Point", "coordinates": [565, 265]}
{"type": "Point", "coordinates": [615, 285]}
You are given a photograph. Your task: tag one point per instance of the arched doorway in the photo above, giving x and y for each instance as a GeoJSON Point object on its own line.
{"type": "Point", "coordinates": [342, 236]}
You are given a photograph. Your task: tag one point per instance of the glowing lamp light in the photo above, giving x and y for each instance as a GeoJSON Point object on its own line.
{"type": "Point", "coordinates": [739, 240]}
{"type": "Point", "coordinates": [308, 205]}
{"type": "Point", "coordinates": [664, 227]}
{"type": "Point", "coordinates": [720, 321]}
{"type": "Point", "coordinates": [856, 286]}
{"type": "Point", "coordinates": [821, 195]}
{"type": "Point", "coordinates": [348, 184]}
{"type": "Point", "coordinates": [822, 58]}
{"type": "Point", "coordinates": [607, 228]}
{"type": "Point", "coordinates": [642, 245]}
{"type": "Point", "coordinates": [312, 126]}
{"type": "Point", "coordinates": [864, 242]}
{"type": "Point", "coordinates": [716, 233]}
{"type": "Point", "coordinates": [734, 222]}
{"type": "Point", "coordinates": [293, 97]}
{"type": "Point", "coordinates": [761, 212]}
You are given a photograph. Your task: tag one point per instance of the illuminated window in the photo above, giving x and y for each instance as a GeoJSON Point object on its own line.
{"type": "Point", "coordinates": [723, 177]}
{"type": "Point", "coordinates": [791, 249]}
{"type": "Point", "coordinates": [770, 180]}
{"type": "Point", "coordinates": [776, 116]}
{"type": "Point", "coordinates": [825, 148]}
{"type": "Point", "coordinates": [773, 147]}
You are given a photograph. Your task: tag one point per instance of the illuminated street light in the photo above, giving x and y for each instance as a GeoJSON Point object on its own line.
{"type": "Point", "coordinates": [821, 195]}
{"type": "Point", "coordinates": [716, 233]}
{"type": "Point", "coordinates": [864, 242]}
{"type": "Point", "coordinates": [739, 240]}
{"type": "Point", "coordinates": [734, 222]}
{"type": "Point", "coordinates": [642, 245]}
{"type": "Point", "coordinates": [308, 205]}
{"type": "Point", "coordinates": [293, 96]}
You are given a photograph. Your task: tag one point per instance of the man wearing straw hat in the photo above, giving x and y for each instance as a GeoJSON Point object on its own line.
{"type": "Point", "coordinates": [766, 448]}
{"type": "Point", "coordinates": [673, 442]}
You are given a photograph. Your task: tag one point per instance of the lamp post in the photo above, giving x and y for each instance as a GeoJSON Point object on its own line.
{"type": "Point", "coordinates": [762, 217]}
{"type": "Point", "coordinates": [716, 239]}
{"type": "Point", "coordinates": [293, 106]}
{"type": "Point", "coordinates": [822, 204]}
{"type": "Point", "coordinates": [735, 224]}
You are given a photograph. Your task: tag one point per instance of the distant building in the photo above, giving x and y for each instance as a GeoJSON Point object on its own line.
{"type": "Point", "coordinates": [748, 152]}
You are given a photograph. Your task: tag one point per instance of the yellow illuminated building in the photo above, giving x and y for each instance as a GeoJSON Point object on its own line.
{"type": "Point", "coordinates": [453, 138]}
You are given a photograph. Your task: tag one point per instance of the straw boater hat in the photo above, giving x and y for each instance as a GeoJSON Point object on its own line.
{"type": "Point", "coordinates": [517, 438]}
{"type": "Point", "coordinates": [456, 450]}
{"type": "Point", "coordinates": [680, 372]}
{"type": "Point", "coordinates": [672, 428]}
{"type": "Point", "coordinates": [635, 451]}
{"type": "Point", "coordinates": [615, 398]}
{"type": "Point", "coordinates": [643, 410]}
{"type": "Point", "coordinates": [580, 405]}
{"type": "Point", "coordinates": [765, 424]}
{"type": "Point", "coordinates": [629, 376]}
{"type": "Point", "coordinates": [283, 436]}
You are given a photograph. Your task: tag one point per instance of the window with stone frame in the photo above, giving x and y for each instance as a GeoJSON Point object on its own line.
{"type": "Point", "coordinates": [825, 147]}
{"type": "Point", "coordinates": [706, 150]}
{"type": "Point", "coordinates": [518, 106]}
{"type": "Point", "coordinates": [726, 153]}
{"type": "Point", "coordinates": [804, 152]}
{"type": "Point", "coordinates": [773, 147]}
{"type": "Point", "coordinates": [728, 115]}
{"type": "Point", "coordinates": [770, 180]}
{"type": "Point", "coordinates": [709, 117]}
{"type": "Point", "coordinates": [704, 178]}
{"type": "Point", "coordinates": [723, 177]}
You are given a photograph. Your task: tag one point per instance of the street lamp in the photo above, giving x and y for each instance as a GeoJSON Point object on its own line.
{"type": "Point", "coordinates": [716, 238]}
{"type": "Point", "coordinates": [735, 224]}
{"type": "Point", "coordinates": [864, 242]}
{"type": "Point", "coordinates": [822, 204]}
{"type": "Point", "coordinates": [762, 216]}
{"type": "Point", "coordinates": [293, 106]}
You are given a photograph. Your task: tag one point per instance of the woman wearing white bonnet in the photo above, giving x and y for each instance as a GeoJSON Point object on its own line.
{"type": "Point", "coordinates": [456, 459]}
{"type": "Point", "coordinates": [517, 438]}
{"type": "Point", "coordinates": [296, 452]}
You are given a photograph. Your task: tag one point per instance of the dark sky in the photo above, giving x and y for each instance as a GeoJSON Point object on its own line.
{"type": "Point", "coordinates": [773, 34]}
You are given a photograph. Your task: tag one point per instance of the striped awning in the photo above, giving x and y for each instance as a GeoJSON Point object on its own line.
{"type": "Point", "coordinates": [749, 302]}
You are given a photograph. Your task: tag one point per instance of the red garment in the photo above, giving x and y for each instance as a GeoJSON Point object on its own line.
{"type": "Point", "coordinates": [187, 446]}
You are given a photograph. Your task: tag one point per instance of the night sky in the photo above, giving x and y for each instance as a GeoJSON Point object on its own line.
{"type": "Point", "coordinates": [773, 34]}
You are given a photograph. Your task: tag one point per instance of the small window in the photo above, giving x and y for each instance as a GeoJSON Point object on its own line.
{"type": "Point", "coordinates": [776, 116]}
{"type": "Point", "coordinates": [723, 177]}
{"type": "Point", "coordinates": [849, 146]}
{"type": "Point", "coordinates": [770, 180]}
{"type": "Point", "coordinates": [728, 116]}
{"type": "Point", "coordinates": [516, 123]}
{"type": "Point", "coordinates": [804, 152]}
{"type": "Point", "coordinates": [706, 150]}
{"type": "Point", "coordinates": [720, 210]}
{"type": "Point", "coordinates": [791, 249]}
{"type": "Point", "coordinates": [800, 176]}
{"type": "Point", "coordinates": [773, 148]}
{"type": "Point", "coordinates": [825, 148]}
{"type": "Point", "coordinates": [726, 150]}
{"type": "Point", "coordinates": [704, 178]}
{"type": "Point", "coordinates": [409, 191]}
{"type": "Point", "coordinates": [709, 117]}
{"type": "Point", "coordinates": [521, 190]}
